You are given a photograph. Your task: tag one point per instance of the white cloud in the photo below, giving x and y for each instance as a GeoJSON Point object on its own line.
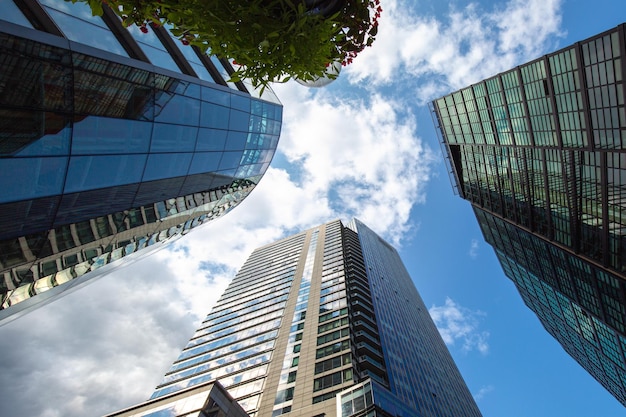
{"type": "Point", "coordinates": [473, 251]}
{"type": "Point", "coordinates": [483, 391]}
{"type": "Point", "coordinates": [468, 46]}
{"type": "Point", "coordinates": [457, 323]}
{"type": "Point", "coordinates": [359, 156]}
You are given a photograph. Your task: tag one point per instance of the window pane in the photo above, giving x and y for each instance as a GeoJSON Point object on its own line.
{"type": "Point", "coordinates": [91, 172]}
{"type": "Point", "coordinates": [107, 136]}
{"type": "Point", "coordinates": [31, 177]}
{"type": "Point", "coordinates": [167, 166]}
{"type": "Point", "coordinates": [171, 138]}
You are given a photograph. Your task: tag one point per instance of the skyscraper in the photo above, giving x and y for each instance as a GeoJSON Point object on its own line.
{"type": "Point", "coordinates": [111, 141]}
{"type": "Point", "coordinates": [540, 153]}
{"type": "Point", "coordinates": [325, 322]}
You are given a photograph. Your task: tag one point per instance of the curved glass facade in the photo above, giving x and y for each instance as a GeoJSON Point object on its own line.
{"type": "Point", "coordinates": [102, 154]}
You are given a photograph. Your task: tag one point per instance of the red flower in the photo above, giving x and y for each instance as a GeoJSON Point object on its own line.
{"type": "Point", "coordinates": [143, 29]}
{"type": "Point", "coordinates": [185, 41]}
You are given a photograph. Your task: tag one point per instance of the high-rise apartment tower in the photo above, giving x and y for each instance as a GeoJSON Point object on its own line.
{"type": "Point", "coordinates": [324, 323]}
{"type": "Point", "coordinates": [540, 153]}
{"type": "Point", "coordinates": [112, 140]}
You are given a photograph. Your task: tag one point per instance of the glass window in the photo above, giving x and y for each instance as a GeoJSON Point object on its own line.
{"type": "Point", "coordinates": [214, 116]}
{"type": "Point", "coordinates": [176, 109]}
{"type": "Point", "coordinates": [167, 165]}
{"type": "Point", "coordinates": [25, 178]}
{"type": "Point", "coordinates": [211, 140]}
{"type": "Point", "coordinates": [90, 172]}
{"type": "Point", "coordinates": [44, 134]}
{"type": "Point", "coordinates": [240, 102]}
{"type": "Point", "coordinates": [153, 48]}
{"type": "Point", "coordinates": [99, 135]}
{"type": "Point", "coordinates": [236, 141]}
{"type": "Point", "coordinates": [192, 58]}
{"type": "Point", "coordinates": [10, 13]}
{"type": "Point", "coordinates": [173, 138]}
{"type": "Point", "coordinates": [80, 26]}
{"type": "Point", "coordinates": [230, 160]}
{"type": "Point", "coordinates": [216, 96]}
{"type": "Point", "coordinates": [239, 120]}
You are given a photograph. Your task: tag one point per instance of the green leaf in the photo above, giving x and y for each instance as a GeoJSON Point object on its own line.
{"type": "Point", "coordinates": [96, 7]}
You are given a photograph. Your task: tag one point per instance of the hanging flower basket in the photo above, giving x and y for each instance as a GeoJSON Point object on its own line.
{"type": "Point", "coordinates": [270, 40]}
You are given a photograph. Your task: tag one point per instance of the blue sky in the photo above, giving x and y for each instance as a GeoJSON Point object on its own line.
{"type": "Point", "coordinates": [365, 147]}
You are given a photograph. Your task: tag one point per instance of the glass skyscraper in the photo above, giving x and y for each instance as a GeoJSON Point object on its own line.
{"type": "Point", "coordinates": [323, 323]}
{"type": "Point", "coordinates": [112, 140]}
{"type": "Point", "coordinates": [540, 153]}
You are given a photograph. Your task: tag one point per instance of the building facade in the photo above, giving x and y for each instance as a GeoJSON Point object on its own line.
{"type": "Point", "coordinates": [112, 140]}
{"type": "Point", "coordinates": [324, 323]}
{"type": "Point", "coordinates": [540, 153]}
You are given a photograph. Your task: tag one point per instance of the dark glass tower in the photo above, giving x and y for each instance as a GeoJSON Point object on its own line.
{"type": "Point", "coordinates": [325, 322]}
{"type": "Point", "coordinates": [112, 140]}
{"type": "Point", "coordinates": [540, 153]}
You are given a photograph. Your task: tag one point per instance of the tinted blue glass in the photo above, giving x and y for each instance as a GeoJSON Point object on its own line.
{"type": "Point", "coordinates": [211, 140]}
{"type": "Point", "coordinates": [214, 116]}
{"type": "Point", "coordinates": [275, 125]}
{"type": "Point", "coordinates": [228, 172]}
{"type": "Point", "coordinates": [173, 138]}
{"type": "Point", "coordinates": [10, 13]}
{"type": "Point", "coordinates": [24, 178]}
{"type": "Point", "coordinates": [187, 89]}
{"type": "Point", "coordinates": [240, 102]}
{"type": "Point", "coordinates": [201, 71]}
{"type": "Point", "coordinates": [256, 108]}
{"type": "Point", "coordinates": [54, 143]}
{"type": "Point", "coordinates": [239, 120]}
{"type": "Point", "coordinates": [249, 171]}
{"type": "Point", "coordinates": [84, 32]}
{"type": "Point", "coordinates": [153, 48]}
{"type": "Point", "coordinates": [250, 156]}
{"type": "Point", "coordinates": [205, 162]}
{"type": "Point", "coordinates": [101, 135]}
{"type": "Point", "coordinates": [230, 160]}
{"type": "Point", "coordinates": [258, 124]}
{"type": "Point", "coordinates": [176, 109]}
{"type": "Point", "coordinates": [236, 141]}
{"type": "Point", "coordinates": [91, 172]}
{"type": "Point", "coordinates": [193, 60]}
{"type": "Point", "coordinates": [167, 165]}
{"type": "Point", "coordinates": [278, 112]}
{"type": "Point", "coordinates": [216, 95]}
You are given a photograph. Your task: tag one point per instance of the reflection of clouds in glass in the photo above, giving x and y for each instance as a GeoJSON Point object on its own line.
{"type": "Point", "coordinates": [89, 30]}
{"type": "Point", "coordinates": [79, 9]}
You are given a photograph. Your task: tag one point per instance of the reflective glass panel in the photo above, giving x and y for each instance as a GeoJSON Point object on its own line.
{"type": "Point", "coordinates": [84, 29]}
{"type": "Point", "coordinates": [171, 138]}
{"type": "Point", "coordinates": [211, 140]}
{"type": "Point", "coordinates": [102, 135]}
{"type": "Point", "coordinates": [167, 165]}
{"type": "Point", "coordinates": [176, 109]}
{"type": "Point", "coordinates": [24, 178]}
{"type": "Point", "coordinates": [90, 172]}
{"type": "Point", "coordinates": [214, 116]}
